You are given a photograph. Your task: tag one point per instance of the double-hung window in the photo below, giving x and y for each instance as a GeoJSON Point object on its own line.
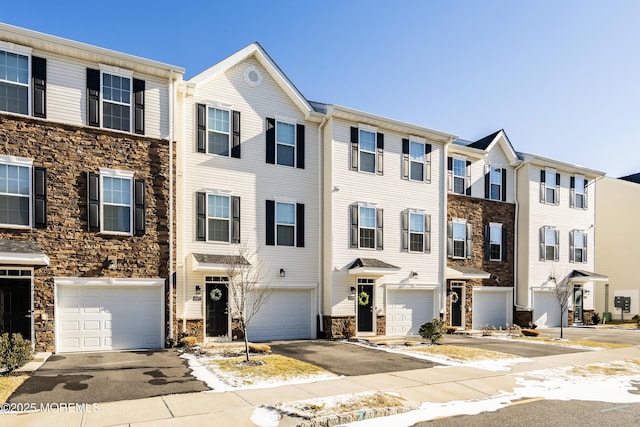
{"type": "Point", "coordinates": [367, 227]}
{"type": "Point", "coordinates": [416, 232]}
{"type": "Point", "coordinates": [459, 176]}
{"type": "Point", "coordinates": [116, 102]}
{"type": "Point", "coordinates": [459, 239]}
{"type": "Point", "coordinates": [495, 242]}
{"type": "Point", "coordinates": [218, 131]}
{"type": "Point", "coordinates": [218, 218]}
{"type": "Point", "coordinates": [578, 192]}
{"type": "Point", "coordinates": [367, 151]}
{"type": "Point", "coordinates": [549, 244]}
{"type": "Point", "coordinates": [14, 82]}
{"type": "Point", "coordinates": [578, 246]}
{"type": "Point", "coordinates": [285, 223]}
{"type": "Point", "coordinates": [117, 213]}
{"type": "Point", "coordinates": [285, 143]}
{"type": "Point", "coordinates": [416, 158]}
{"type": "Point", "coordinates": [15, 193]}
{"type": "Point", "coordinates": [495, 191]}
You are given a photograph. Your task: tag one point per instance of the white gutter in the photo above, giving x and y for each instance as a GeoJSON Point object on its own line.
{"type": "Point", "coordinates": [516, 235]}
{"type": "Point", "coordinates": [320, 224]}
{"type": "Point", "coordinates": [172, 88]}
{"type": "Point", "coordinates": [181, 255]}
{"type": "Point", "coordinates": [443, 229]}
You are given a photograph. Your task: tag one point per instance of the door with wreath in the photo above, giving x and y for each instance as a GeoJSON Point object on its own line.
{"type": "Point", "coordinates": [365, 308]}
{"type": "Point", "coordinates": [217, 310]}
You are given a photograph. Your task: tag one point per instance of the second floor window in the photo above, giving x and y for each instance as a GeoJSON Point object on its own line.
{"type": "Point", "coordinates": [285, 223]}
{"type": "Point", "coordinates": [367, 227]}
{"type": "Point", "coordinates": [218, 218]}
{"type": "Point", "coordinates": [14, 82]}
{"type": "Point", "coordinates": [15, 194]}
{"type": "Point", "coordinates": [549, 244]}
{"type": "Point", "coordinates": [116, 102]}
{"type": "Point", "coordinates": [577, 246]}
{"type": "Point", "coordinates": [495, 242]}
{"type": "Point", "coordinates": [459, 176]}
{"type": "Point", "coordinates": [459, 239]}
{"type": "Point", "coordinates": [116, 204]}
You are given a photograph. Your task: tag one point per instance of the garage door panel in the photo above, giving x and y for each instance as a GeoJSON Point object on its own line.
{"type": "Point", "coordinates": [286, 315]}
{"type": "Point", "coordinates": [492, 308]}
{"type": "Point", "coordinates": [94, 318]}
{"type": "Point", "coordinates": [407, 310]}
{"type": "Point", "coordinates": [546, 310]}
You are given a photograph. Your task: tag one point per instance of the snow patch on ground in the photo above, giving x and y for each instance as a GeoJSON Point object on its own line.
{"type": "Point", "coordinates": [265, 417]}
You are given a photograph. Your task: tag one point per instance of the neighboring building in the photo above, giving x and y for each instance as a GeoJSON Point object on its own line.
{"type": "Point", "coordinates": [383, 211]}
{"type": "Point", "coordinates": [556, 227]}
{"type": "Point", "coordinates": [248, 186]}
{"type": "Point", "coordinates": [480, 232]}
{"type": "Point", "coordinates": [84, 194]}
{"type": "Point", "coordinates": [617, 209]}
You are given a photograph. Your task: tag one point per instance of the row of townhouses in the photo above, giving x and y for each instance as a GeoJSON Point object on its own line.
{"type": "Point", "coordinates": [125, 189]}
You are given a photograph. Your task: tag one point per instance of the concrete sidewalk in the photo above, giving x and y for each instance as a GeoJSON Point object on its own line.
{"type": "Point", "coordinates": [235, 408]}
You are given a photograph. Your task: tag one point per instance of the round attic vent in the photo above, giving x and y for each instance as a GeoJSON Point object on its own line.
{"type": "Point", "coordinates": [253, 76]}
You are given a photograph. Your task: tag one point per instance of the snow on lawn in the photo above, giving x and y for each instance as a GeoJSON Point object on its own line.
{"type": "Point", "coordinates": [552, 384]}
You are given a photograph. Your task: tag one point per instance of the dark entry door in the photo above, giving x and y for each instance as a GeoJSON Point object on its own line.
{"type": "Point", "coordinates": [365, 311]}
{"type": "Point", "coordinates": [15, 307]}
{"type": "Point", "coordinates": [456, 305]}
{"type": "Point", "coordinates": [577, 314]}
{"type": "Point", "coordinates": [217, 309]}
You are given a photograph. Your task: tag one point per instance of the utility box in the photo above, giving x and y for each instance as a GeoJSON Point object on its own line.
{"type": "Point", "coordinates": [623, 303]}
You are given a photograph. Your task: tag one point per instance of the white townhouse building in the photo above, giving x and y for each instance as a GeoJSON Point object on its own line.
{"type": "Point", "coordinates": [556, 227]}
{"type": "Point", "coordinates": [383, 224]}
{"type": "Point", "coordinates": [248, 177]}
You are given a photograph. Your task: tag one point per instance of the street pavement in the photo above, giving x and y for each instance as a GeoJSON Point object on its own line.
{"type": "Point", "coordinates": [235, 408]}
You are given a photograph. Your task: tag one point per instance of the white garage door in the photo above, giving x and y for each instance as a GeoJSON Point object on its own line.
{"type": "Point", "coordinates": [287, 314]}
{"type": "Point", "coordinates": [493, 308]}
{"type": "Point", "coordinates": [407, 310]}
{"type": "Point", "coordinates": [99, 318]}
{"type": "Point", "coordinates": [546, 310]}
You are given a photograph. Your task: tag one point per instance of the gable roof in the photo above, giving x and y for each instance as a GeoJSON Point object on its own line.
{"type": "Point", "coordinates": [634, 177]}
{"type": "Point", "coordinates": [256, 51]}
{"type": "Point", "coordinates": [483, 143]}
{"type": "Point", "coordinates": [481, 147]}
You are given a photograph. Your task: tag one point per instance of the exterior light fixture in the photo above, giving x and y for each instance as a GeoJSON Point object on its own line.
{"type": "Point", "coordinates": [112, 263]}
{"type": "Point", "coordinates": [198, 290]}
{"type": "Point", "coordinates": [414, 275]}
{"type": "Point", "coordinates": [282, 272]}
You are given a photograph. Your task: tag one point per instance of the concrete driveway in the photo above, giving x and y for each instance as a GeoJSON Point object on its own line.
{"type": "Point", "coordinates": [107, 377]}
{"type": "Point", "coordinates": [347, 359]}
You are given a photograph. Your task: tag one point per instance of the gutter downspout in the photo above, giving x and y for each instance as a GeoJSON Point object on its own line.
{"type": "Point", "coordinates": [516, 236]}
{"type": "Point", "coordinates": [183, 191]}
{"type": "Point", "coordinates": [443, 230]}
{"type": "Point", "coordinates": [172, 94]}
{"type": "Point", "coordinates": [320, 224]}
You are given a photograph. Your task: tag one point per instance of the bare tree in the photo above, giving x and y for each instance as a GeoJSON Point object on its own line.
{"type": "Point", "coordinates": [246, 295]}
{"type": "Point", "coordinates": [562, 290]}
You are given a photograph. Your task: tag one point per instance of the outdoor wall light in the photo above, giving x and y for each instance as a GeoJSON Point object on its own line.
{"type": "Point", "coordinates": [282, 272]}
{"type": "Point", "coordinates": [414, 274]}
{"type": "Point", "coordinates": [198, 290]}
{"type": "Point", "coordinates": [112, 263]}
{"type": "Point", "coordinates": [353, 289]}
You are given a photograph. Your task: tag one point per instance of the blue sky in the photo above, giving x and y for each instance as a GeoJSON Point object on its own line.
{"type": "Point", "coordinates": [561, 77]}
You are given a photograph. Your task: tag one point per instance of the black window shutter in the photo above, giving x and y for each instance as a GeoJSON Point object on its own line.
{"type": "Point", "coordinates": [557, 188]}
{"type": "Point", "coordinates": [40, 197]}
{"type": "Point", "coordinates": [450, 173]}
{"type": "Point", "coordinates": [542, 186]}
{"type": "Point", "coordinates": [487, 242]}
{"type": "Point", "coordinates": [201, 127]}
{"type": "Point", "coordinates": [271, 140]}
{"type": "Point", "coordinates": [139, 217]}
{"type": "Point", "coordinates": [405, 230]}
{"type": "Point", "coordinates": [503, 172]}
{"type": "Point", "coordinates": [427, 157]}
{"type": "Point", "coordinates": [93, 201]}
{"type": "Point", "coordinates": [468, 190]}
{"type": "Point", "coordinates": [39, 80]}
{"type": "Point", "coordinates": [504, 242]}
{"type": "Point", "coordinates": [271, 222]}
{"type": "Point", "coordinates": [138, 100]}
{"type": "Point", "coordinates": [380, 154]}
{"type": "Point", "coordinates": [235, 219]}
{"type": "Point", "coordinates": [300, 225]}
{"type": "Point", "coordinates": [201, 216]}
{"type": "Point", "coordinates": [354, 148]}
{"type": "Point", "coordinates": [379, 231]}
{"type": "Point", "coordinates": [354, 226]}
{"type": "Point", "coordinates": [235, 140]}
{"type": "Point", "coordinates": [405, 158]}
{"type": "Point", "coordinates": [487, 181]}
{"type": "Point", "coordinates": [93, 97]}
{"type": "Point", "coordinates": [572, 191]}
{"type": "Point", "coordinates": [300, 146]}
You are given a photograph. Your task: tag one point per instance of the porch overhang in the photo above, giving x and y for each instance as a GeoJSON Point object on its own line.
{"type": "Point", "coordinates": [582, 276]}
{"type": "Point", "coordinates": [371, 267]}
{"type": "Point", "coordinates": [466, 273]}
{"type": "Point", "coordinates": [21, 252]}
{"type": "Point", "coordinates": [219, 264]}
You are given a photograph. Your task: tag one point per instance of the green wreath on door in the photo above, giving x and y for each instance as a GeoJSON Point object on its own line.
{"type": "Point", "coordinates": [363, 298]}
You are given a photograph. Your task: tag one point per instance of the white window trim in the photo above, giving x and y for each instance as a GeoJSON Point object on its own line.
{"type": "Point", "coordinates": [27, 163]}
{"type": "Point", "coordinates": [292, 122]}
{"type": "Point", "coordinates": [499, 226]}
{"type": "Point", "coordinates": [454, 176]}
{"type": "Point", "coordinates": [24, 51]}
{"type": "Point", "coordinates": [422, 214]}
{"type": "Point", "coordinates": [229, 133]}
{"type": "Point", "coordinates": [285, 224]}
{"type": "Point", "coordinates": [422, 142]}
{"type": "Point", "coordinates": [375, 217]}
{"type": "Point", "coordinates": [118, 72]}
{"type": "Point", "coordinates": [372, 130]}
{"type": "Point", "coordinates": [228, 219]}
{"type": "Point", "coordinates": [115, 173]}
{"type": "Point", "coordinates": [464, 240]}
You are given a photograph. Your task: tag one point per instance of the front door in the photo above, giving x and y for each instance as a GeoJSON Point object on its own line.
{"type": "Point", "coordinates": [577, 304]}
{"type": "Point", "coordinates": [457, 305]}
{"type": "Point", "coordinates": [217, 298]}
{"type": "Point", "coordinates": [365, 308]}
{"type": "Point", "coordinates": [15, 307]}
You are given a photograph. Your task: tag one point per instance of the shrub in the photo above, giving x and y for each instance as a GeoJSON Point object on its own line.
{"type": "Point", "coordinates": [487, 330]}
{"type": "Point", "coordinates": [636, 319]}
{"type": "Point", "coordinates": [188, 341]}
{"type": "Point", "coordinates": [514, 330]}
{"type": "Point", "coordinates": [259, 348]}
{"type": "Point", "coordinates": [595, 318]}
{"type": "Point", "coordinates": [15, 351]}
{"type": "Point", "coordinates": [433, 331]}
{"type": "Point", "coordinates": [530, 332]}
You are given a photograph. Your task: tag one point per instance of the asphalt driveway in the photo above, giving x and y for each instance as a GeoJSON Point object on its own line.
{"type": "Point", "coordinates": [348, 359]}
{"type": "Point", "coordinates": [107, 377]}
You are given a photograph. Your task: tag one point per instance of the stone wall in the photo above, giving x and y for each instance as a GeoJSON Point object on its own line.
{"type": "Point", "coordinates": [69, 152]}
{"type": "Point", "coordinates": [479, 213]}
{"type": "Point", "coordinates": [339, 327]}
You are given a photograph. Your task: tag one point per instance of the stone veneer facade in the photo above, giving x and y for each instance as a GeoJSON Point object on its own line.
{"type": "Point", "coordinates": [480, 212]}
{"type": "Point", "coordinates": [68, 153]}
